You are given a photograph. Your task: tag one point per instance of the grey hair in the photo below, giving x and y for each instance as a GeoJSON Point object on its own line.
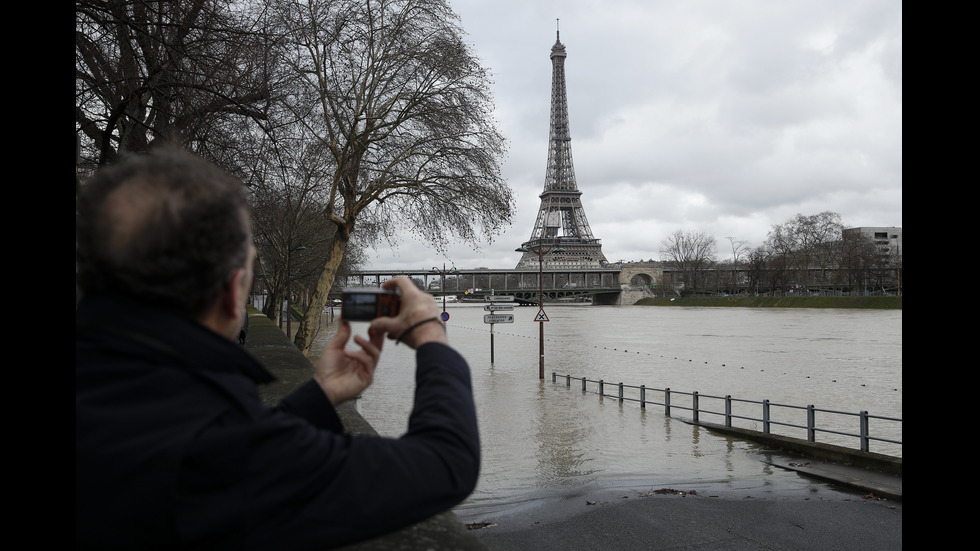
{"type": "Point", "coordinates": [166, 227]}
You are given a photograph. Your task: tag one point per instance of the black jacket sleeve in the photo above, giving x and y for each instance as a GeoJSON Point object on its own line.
{"type": "Point", "coordinates": [309, 402]}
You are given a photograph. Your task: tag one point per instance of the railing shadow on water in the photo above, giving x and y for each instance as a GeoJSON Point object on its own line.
{"type": "Point", "coordinates": [771, 413]}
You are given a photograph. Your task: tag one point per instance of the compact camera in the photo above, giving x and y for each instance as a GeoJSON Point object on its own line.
{"type": "Point", "coordinates": [368, 303]}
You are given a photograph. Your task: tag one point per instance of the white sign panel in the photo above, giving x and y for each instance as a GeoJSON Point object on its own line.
{"type": "Point", "coordinates": [500, 298]}
{"type": "Point", "coordinates": [492, 307]}
{"type": "Point", "coordinates": [498, 318]}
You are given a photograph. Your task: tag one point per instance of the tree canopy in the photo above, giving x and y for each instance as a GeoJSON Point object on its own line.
{"type": "Point", "coordinates": [403, 108]}
{"type": "Point", "coordinates": [148, 70]}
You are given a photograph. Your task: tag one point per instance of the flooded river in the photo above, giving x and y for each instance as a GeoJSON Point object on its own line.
{"type": "Point", "coordinates": [540, 437]}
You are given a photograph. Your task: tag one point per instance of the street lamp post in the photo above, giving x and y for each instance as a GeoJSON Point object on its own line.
{"type": "Point", "coordinates": [442, 282]}
{"type": "Point", "coordinates": [541, 250]}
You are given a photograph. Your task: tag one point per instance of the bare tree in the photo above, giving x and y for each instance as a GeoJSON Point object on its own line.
{"type": "Point", "coordinates": [291, 234]}
{"type": "Point", "coordinates": [739, 249]}
{"type": "Point", "coordinates": [757, 269]}
{"type": "Point", "coordinates": [692, 253]}
{"type": "Point", "coordinates": [806, 253]}
{"type": "Point", "coordinates": [285, 216]}
{"type": "Point", "coordinates": [403, 108]}
{"type": "Point", "coordinates": [811, 244]}
{"type": "Point", "coordinates": [148, 70]}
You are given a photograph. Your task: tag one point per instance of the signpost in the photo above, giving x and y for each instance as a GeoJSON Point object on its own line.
{"type": "Point", "coordinates": [497, 318]}
{"type": "Point", "coordinates": [540, 250]}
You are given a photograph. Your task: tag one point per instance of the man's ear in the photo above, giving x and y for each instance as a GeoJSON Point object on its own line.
{"type": "Point", "coordinates": [235, 293]}
{"type": "Point", "coordinates": [224, 316]}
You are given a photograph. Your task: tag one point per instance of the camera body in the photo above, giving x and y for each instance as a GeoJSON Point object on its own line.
{"type": "Point", "coordinates": [365, 304]}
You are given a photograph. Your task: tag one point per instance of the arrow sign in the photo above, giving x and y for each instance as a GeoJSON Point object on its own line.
{"type": "Point", "coordinates": [500, 298]}
{"type": "Point", "coordinates": [541, 316]}
{"type": "Point", "coordinates": [492, 307]}
{"type": "Point", "coordinates": [498, 318]}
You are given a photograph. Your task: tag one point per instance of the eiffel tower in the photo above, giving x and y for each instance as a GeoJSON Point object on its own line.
{"type": "Point", "coordinates": [561, 204]}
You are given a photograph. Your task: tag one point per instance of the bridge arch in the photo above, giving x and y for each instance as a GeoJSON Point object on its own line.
{"type": "Point", "coordinates": [641, 274]}
{"type": "Point", "coordinates": [641, 280]}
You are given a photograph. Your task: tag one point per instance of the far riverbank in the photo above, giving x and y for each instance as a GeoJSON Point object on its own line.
{"type": "Point", "coordinates": [879, 303]}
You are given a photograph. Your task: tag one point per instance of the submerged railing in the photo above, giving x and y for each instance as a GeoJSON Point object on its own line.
{"type": "Point", "coordinates": [735, 409]}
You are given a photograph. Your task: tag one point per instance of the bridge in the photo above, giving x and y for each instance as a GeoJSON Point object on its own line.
{"type": "Point", "coordinates": [602, 285]}
{"type": "Point", "coordinates": [610, 284]}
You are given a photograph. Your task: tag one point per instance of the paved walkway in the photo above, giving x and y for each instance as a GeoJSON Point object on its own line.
{"type": "Point", "coordinates": [864, 512]}
{"type": "Point", "coordinates": [862, 509]}
{"type": "Point", "coordinates": [705, 523]}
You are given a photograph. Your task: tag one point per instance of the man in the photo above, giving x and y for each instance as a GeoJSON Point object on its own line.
{"type": "Point", "coordinates": [173, 447]}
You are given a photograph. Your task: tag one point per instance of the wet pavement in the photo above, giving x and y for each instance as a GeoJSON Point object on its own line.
{"type": "Point", "coordinates": [846, 507]}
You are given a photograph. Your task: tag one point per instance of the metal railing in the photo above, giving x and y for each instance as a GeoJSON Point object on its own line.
{"type": "Point", "coordinates": [773, 414]}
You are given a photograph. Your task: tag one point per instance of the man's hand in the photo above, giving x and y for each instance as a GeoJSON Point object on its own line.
{"type": "Point", "coordinates": [416, 306]}
{"type": "Point", "coordinates": [344, 374]}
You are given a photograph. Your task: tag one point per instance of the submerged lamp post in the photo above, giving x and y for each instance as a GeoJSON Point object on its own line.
{"type": "Point", "coordinates": [541, 250]}
{"type": "Point", "coordinates": [442, 283]}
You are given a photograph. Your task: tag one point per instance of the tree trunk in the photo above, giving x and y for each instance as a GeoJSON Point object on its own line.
{"type": "Point", "coordinates": [310, 324]}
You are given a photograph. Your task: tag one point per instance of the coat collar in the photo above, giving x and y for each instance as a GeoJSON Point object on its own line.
{"type": "Point", "coordinates": [151, 330]}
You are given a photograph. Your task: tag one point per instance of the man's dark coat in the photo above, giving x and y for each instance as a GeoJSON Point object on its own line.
{"type": "Point", "coordinates": [173, 446]}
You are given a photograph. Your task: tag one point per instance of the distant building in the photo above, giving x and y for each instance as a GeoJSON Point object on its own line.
{"type": "Point", "coordinates": [887, 239]}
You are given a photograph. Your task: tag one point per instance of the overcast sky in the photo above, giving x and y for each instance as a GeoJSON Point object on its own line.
{"type": "Point", "coordinates": [719, 116]}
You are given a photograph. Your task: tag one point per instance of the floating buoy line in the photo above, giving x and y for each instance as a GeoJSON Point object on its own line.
{"type": "Point", "coordinates": [497, 332]}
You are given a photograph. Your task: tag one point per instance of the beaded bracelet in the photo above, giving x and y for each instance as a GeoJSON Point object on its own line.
{"type": "Point", "coordinates": [410, 329]}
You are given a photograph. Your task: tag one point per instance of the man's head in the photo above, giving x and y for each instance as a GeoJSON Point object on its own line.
{"type": "Point", "coordinates": [168, 228]}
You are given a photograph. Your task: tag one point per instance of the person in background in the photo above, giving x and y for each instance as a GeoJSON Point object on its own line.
{"type": "Point", "coordinates": [173, 447]}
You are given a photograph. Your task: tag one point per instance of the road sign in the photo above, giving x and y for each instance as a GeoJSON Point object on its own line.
{"type": "Point", "coordinates": [445, 316]}
{"type": "Point", "coordinates": [492, 307]}
{"type": "Point", "coordinates": [498, 318]}
{"type": "Point", "coordinates": [541, 316]}
{"type": "Point", "coordinates": [500, 298]}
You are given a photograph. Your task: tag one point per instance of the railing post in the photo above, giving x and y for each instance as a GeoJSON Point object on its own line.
{"type": "Point", "coordinates": [553, 377]}
{"type": "Point", "coordinates": [643, 397]}
{"type": "Point", "coordinates": [583, 384]}
{"type": "Point", "coordinates": [568, 381]}
{"type": "Point", "coordinates": [728, 410]}
{"type": "Point", "coordinates": [667, 401]}
{"type": "Point", "coordinates": [864, 431]}
{"type": "Point", "coordinates": [765, 416]}
{"type": "Point", "coordinates": [620, 392]}
{"type": "Point", "coordinates": [695, 407]}
{"type": "Point", "coordinates": [600, 388]}
{"type": "Point", "coordinates": [811, 424]}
